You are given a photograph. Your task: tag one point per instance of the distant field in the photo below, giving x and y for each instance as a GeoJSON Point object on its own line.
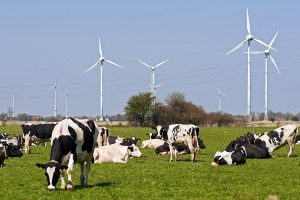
{"type": "Point", "coordinates": [153, 177]}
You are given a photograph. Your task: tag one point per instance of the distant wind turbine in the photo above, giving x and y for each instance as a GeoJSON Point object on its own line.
{"type": "Point", "coordinates": [55, 99]}
{"type": "Point", "coordinates": [267, 55]}
{"type": "Point", "coordinates": [101, 60]}
{"type": "Point", "coordinates": [249, 38]}
{"type": "Point", "coordinates": [220, 94]}
{"type": "Point", "coordinates": [67, 95]}
{"type": "Point", "coordinates": [153, 68]}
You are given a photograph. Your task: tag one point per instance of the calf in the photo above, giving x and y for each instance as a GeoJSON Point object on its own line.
{"type": "Point", "coordinates": [72, 141]}
{"type": "Point", "coordinates": [183, 134]}
{"type": "Point", "coordinates": [279, 137]}
{"type": "Point", "coordinates": [115, 153]}
{"type": "Point", "coordinates": [40, 131]}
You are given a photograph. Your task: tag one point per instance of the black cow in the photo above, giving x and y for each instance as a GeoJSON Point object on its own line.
{"type": "Point", "coordinates": [41, 131]}
{"type": "Point", "coordinates": [72, 141]}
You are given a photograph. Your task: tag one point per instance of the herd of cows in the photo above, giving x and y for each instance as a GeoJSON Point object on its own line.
{"type": "Point", "coordinates": [83, 142]}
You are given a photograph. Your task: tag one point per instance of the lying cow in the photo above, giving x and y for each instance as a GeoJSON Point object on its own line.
{"type": "Point", "coordinates": [235, 157]}
{"type": "Point", "coordinates": [42, 132]}
{"type": "Point", "coordinates": [279, 137]}
{"type": "Point", "coordinates": [123, 141]}
{"type": "Point", "coordinates": [8, 150]}
{"type": "Point", "coordinates": [72, 141]}
{"type": "Point", "coordinates": [152, 143]}
{"type": "Point", "coordinates": [115, 153]}
{"type": "Point", "coordinates": [181, 149]}
{"type": "Point", "coordinates": [183, 134]}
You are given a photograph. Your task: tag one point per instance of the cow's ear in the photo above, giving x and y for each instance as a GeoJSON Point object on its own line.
{"type": "Point", "coordinates": [130, 148]}
{"type": "Point", "coordinates": [43, 166]}
{"type": "Point", "coordinates": [63, 167]}
{"type": "Point", "coordinates": [138, 139]}
{"type": "Point", "coordinates": [92, 126]}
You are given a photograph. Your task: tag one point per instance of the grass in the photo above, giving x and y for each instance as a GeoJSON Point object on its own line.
{"type": "Point", "coordinates": [153, 177]}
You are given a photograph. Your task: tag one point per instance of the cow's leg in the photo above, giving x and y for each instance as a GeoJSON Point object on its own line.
{"type": "Point", "coordinates": [70, 171]}
{"type": "Point", "coordinates": [171, 152]}
{"type": "Point", "coordinates": [62, 180]}
{"type": "Point", "coordinates": [82, 178]}
{"type": "Point", "coordinates": [87, 172]}
{"type": "Point", "coordinates": [193, 151]}
{"type": "Point", "coordinates": [291, 144]}
{"type": "Point", "coordinates": [27, 139]}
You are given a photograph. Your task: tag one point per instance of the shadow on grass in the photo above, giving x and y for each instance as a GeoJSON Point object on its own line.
{"type": "Point", "coordinates": [103, 184]}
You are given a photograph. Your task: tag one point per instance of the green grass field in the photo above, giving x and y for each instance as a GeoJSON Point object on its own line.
{"type": "Point", "coordinates": [153, 177]}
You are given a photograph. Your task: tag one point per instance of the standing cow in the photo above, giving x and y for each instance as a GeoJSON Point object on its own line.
{"type": "Point", "coordinates": [187, 134]}
{"type": "Point", "coordinates": [72, 141]}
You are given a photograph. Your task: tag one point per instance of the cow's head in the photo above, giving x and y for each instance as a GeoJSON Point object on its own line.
{"type": "Point", "coordinates": [133, 140]}
{"type": "Point", "coordinates": [103, 135]}
{"type": "Point", "coordinates": [152, 135]}
{"type": "Point", "coordinates": [134, 151]}
{"type": "Point", "coordinates": [201, 144]}
{"type": "Point", "coordinates": [52, 172]}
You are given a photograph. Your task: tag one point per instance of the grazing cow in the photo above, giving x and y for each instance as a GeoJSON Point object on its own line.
{"type": "Point", "coordinates": [279, 137]}
{"type": "Point", "coordinates": [40, 131]}
{"type": "Point", "coordinates": [103, 136]}
{"type": "Point", "coordinates": [161, 133]}
{"type": "Point", "coordinates": [72, 141]}
{"type": "Point", "coordinates": [115, 153]}
{"type": "Point", "coordinates": [183, 134]}
{"type": "Point", "coordinates": [181, 149]}
{"type": "Point", "coordinates": [152, 143]}
{"type": "Point", "coordinates": [122, 141]}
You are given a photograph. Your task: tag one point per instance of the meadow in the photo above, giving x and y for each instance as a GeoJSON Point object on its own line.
{"type": "Point", "coordinates": [153, 177]}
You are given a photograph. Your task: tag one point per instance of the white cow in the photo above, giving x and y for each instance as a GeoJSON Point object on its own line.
{"type": "Point", "coordinates": [183, 134]}
{"type": "Point", "coordinates": [115, 153]}
{"type": "Point", "coordinates": [152, 143]}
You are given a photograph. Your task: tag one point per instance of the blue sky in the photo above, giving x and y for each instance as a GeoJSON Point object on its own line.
{"type": "Point", "coordinates": [44, 41]}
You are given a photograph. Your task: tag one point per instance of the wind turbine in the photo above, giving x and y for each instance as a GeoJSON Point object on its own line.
{"type": "Point", "coordinates": [153, 68]}
{"type": "Point", "coordinates": [101, 61]}
{"type": "Point", "coordinates": [220, 94]}
{"type": "Point", "coordinates": [249, 38]}
{"type": "Point", "coordinates": [13, 108]}
{"type": "Point", "coordinates": [55, 99]}
{"type": "Point", "coordinates": [67, 95]}
{"type": "Point", "coordinates": [267, 55]}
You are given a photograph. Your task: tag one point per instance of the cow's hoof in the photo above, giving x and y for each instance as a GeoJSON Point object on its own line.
{"type": "Point", "coordinates": [70, 187]}
{"type": "Point", "coordinates": [63, 187]}
{"type": "Point", "coordinates": [214, 164]}
{"type": "Point", "coordinates": [51, 187]}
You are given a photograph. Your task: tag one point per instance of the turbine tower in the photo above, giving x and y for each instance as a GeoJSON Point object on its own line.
{"type": "Point", "coordinates": [249, 38]}
{"type": "Point", "coordinates": [67, 95]}
{"type": "Point", "coordinates": [13, 108]}
{"type": "Point", "coordinates": [220, 94]}
{"type": "Point", "coordinates": [267, 55]}
{"type": "Point", "coordinates": [101, 61]}
{"type": "Point", "coordinates": [153, 68]}
{"type": "Point", "coordinates": [55, 99]}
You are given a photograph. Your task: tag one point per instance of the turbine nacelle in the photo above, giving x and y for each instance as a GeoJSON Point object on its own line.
{"type": "Point", "coordinates": [249, 38]}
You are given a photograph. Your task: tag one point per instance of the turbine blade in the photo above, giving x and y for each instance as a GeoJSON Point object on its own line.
{"type": "Point", "coordinates": [273, 61]}
{"type": "Point", "coordinates": [161, 63]}
{"type": "Point", "coordinates": [144, 63]}
{"type": "Point", "coordinates": [272, 41]}
{"type": "Point", "coordinates": [158, 85]}
{"type": "Point", "coordinates": [91, 67]}
{"type": "Point", "coordinates": [255, 52]}
{"type": "Point", "coordinates": [115, 64]}
{"type": "Point", "coordinates": [100, 48]}
{"type": "Point", "coordinates": [261, 42]}
{"type": "Point", "coordinates": [236, 47]}
{"type": "Point", "coordinates": [248, 23]}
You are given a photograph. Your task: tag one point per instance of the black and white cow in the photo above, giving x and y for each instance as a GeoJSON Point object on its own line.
{"type": "Point", "coordinates": [161, 133]}
{"type": "Point", "coordinates": [187, 134]}
{"type": "Point", "coordinates": [42, 132]}
{"type": "Point", "coordinates": [236, 157]}
{"type": "Point", "coordinates": [103, 136]}
{"type": "Point", "coordinates": [8, 150]}
{"type": "Point", "coordinates": [72, 141]}
{"type": "Point", "coordinates": [181, 149]}
{"type": "Point", "coordinates": [279, 137]}
{"type": "Point", "coordinates": [3, 136]}
{"type": "Point", "coordinates": [123, 141]}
